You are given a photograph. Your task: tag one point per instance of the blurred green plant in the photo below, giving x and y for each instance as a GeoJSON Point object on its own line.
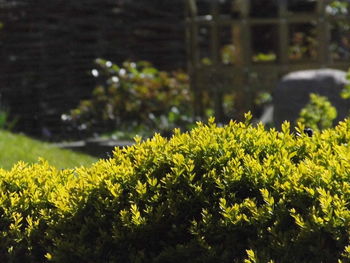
{"type": "Point", "coordinates": [318, 114]}
{"type": "Point", "coordinates": [5, 122]}
{"type": "Point", "coordinates": [345, 93]}
{"type": "Point", "coordinates": [303, 44]}
{"type": "Point", "coordinates": [263, 98]}
{"type": "Point", "coordinates": [264, 57]}
{"type": "Point", "coordinates": [131, 97]}
{"type": "Point", "coordinates": [228, 54]}
{"type": "Point", "coordinates": [340, 26]}
{"type": "Point", "coordinates": [337, 8]}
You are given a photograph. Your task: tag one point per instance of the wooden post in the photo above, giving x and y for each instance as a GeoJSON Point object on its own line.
{"type": "Point", "coordinates": [283, 32]}
{"type": "Point", "coordinates": [214, 10]}
{"type": "Point", "coordinates": [193, 56]}
{"type": "Point", "coordinates": [215, 58]}
{"type": "Point", "coordinates": [247, 58]}
{"type": "Point", "coordinates": [242, 43]}
{"type": "Point", "coordinates": [323, 34]}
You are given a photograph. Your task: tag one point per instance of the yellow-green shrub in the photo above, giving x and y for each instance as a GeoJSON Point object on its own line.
{"type": "Point", "coordinates": [319, 113]}
{"type": "Point", "coordinates": [235, 193]}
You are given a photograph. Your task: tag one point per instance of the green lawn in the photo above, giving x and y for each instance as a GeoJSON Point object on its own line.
{"type": "Point", "coordinates": [14, 148]}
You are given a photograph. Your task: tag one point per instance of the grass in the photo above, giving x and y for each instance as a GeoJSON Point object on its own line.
{"type": "Point", "coordinates": [14, 148]}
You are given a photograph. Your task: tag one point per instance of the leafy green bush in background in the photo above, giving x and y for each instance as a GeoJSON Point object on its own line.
{"type": "Point", "coordinates": [236, 193]}
{"type": "Point", "coordinates": [318, 114]}
{"type": "Point", "coordinates": [134, 96]}
{"type": "Point", "coordinates": [138, 99]}
{"type": "Point", "coordinates": [5, 122]}
{"type": "Point", "coordinates": [345, 94]}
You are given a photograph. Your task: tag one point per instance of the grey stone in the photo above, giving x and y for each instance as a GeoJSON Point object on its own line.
{"type": "Point", "coordinates": [267, 115]}
{"type": "Point", "coordinates": [293, 93]}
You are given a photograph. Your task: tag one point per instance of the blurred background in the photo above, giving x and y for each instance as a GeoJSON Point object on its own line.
{"type": "Point", "coordinates": [72, 70]}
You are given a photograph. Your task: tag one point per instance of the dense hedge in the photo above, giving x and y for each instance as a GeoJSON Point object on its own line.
{"type": "Point", "coordinates": [235, 193]}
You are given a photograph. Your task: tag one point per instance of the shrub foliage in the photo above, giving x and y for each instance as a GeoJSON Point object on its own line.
{"type": "Point", "coordinates": [133, 96]}
{"type": "Point", "coordinates": [345, 93]}
{"type": "Point", "coordinates": [319, 113]}
{"type": "Point", "coordinates": [236, 193]}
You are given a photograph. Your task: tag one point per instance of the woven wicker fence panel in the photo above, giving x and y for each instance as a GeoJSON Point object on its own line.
{"type": "Point", "coordinates": [48, 48]}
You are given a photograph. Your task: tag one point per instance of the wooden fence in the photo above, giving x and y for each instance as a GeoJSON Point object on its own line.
{"type": "Point", "coordinates": [244, 47]}
{"type": "Point", "coordinates": [48, 48]}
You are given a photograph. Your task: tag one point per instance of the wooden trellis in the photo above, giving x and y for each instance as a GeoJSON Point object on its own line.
{"type": "Point", "coordinates": [215, 25]}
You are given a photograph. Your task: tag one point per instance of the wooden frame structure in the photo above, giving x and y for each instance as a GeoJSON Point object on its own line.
{"type": "Point", "coordinates": [245, 76]}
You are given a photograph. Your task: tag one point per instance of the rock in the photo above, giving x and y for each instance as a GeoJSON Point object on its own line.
{"type": "Point", "coordinates": [293, 93]}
